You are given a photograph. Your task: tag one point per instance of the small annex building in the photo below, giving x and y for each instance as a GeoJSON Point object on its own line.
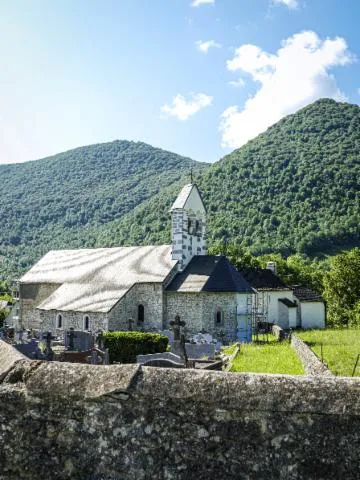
{"type": "Point", "coordinates": [286, 306]}
{"type": "Point", "coordinates": [311, 309]}
{"type": "Point", "coordinates": [140, 287]}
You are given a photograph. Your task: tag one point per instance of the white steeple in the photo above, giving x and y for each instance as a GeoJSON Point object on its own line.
{"type": "Point", "coordinates": [188, 225]}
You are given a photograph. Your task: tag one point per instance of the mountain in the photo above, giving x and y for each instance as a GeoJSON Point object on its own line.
{"type": "Point", "coordinates": [61, 201]}
{"type": "Point", "coordinates": [294, 188]}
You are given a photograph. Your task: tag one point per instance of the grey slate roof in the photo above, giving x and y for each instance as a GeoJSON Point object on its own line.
{"type": "Point", "coordinates": [263, 279]}
{"type": "Point", "coordinates": [305, 294]}
{"type": "Point", "coordinates": [94, 280]}
{"type": "Point", "coordinates": [209, 273]}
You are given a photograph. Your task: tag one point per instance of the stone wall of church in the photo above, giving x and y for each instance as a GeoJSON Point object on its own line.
{"type": "Point", "coordinates": [150, 295]}
{"type": "Point", "coordinates": [48, 321]}
{"type": "Point", "coordinates": [31, 295]}
{"type": "Point", "coordinates": [198, 310]}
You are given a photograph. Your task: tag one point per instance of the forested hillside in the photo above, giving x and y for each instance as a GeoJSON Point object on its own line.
{"type": "Point", "coordinates": [295, 188]}
{"type": "Point", "coordinates": [61, 201]}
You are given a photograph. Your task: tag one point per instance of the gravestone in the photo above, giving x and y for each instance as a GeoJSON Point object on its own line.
{"type": "Point", "coordinates": [144, 359]}
{"type": "Point", "coordinates": [78, 340]}
{"type": "Point", "coordinates": [30, 349]}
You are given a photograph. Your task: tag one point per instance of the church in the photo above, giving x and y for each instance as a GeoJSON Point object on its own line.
{"type": "Point", "coordinates": [143, 287]}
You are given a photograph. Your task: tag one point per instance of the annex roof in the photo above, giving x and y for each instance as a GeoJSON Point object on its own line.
{"type": "Point", "coordinates": [287, 302]}
{"type": "Point", "coordinates": [305, 294]}
{"type": "Point", "coordinates": [263, 279]}
{"type": "Point", "coordinates": [209, 273]}
{"type": "Point", "coordinates": [94, 280]}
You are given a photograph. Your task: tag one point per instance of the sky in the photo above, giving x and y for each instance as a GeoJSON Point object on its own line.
{"type": "Point", "coordinates": [196, 77]}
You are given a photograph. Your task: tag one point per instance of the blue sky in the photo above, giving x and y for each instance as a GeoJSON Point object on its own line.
{"type": "Point", "coordinates": [196, 77]}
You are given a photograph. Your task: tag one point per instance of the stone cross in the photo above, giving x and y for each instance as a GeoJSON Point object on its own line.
{"type": "Point", "coordinates": [48, 353]}
{"type": "Point", "coordinates": [99, 340]}
{"type": "Point", "coordinates": [176, 325]}
{"type": "Point", "coordinates": [182, 349]}
{"type": "Point", "coordinates": [71, 335]}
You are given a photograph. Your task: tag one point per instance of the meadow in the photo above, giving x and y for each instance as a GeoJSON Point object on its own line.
{"type": "Point", "coordinates": [338, 348]}
{"type": "Point", "coordinates": [267, 355]}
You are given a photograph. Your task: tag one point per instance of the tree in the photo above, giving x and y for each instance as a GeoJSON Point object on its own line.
{"type": "Point", "coordinates": [237, 254]}
{"type": "Point", "coordinates": [342, 289]}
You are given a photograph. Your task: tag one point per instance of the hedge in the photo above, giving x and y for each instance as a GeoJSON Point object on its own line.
{"type": "Point", "coordinates": [125, 346]}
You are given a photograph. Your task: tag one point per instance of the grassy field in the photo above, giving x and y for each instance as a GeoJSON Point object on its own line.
{"type": "Point", "coordinates": [340, 348]}
{"type": "Point", "coordinates": [267, 357]}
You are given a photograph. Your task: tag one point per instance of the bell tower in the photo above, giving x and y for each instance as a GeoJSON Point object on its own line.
{"type": "Point", "coordinates": [188, 225]}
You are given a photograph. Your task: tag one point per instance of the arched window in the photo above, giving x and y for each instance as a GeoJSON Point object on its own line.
{"type": "Point", "coordinates": [59, 321]}
{"type": "Point", "coordinates": [219, 317]}
{"type": "Point", "coordinates": [140, 314]}
{"type": "Point", "coordinates": [86, 322]}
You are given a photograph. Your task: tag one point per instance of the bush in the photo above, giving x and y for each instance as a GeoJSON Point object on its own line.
{"type": "Point", "coordinates": [125, 346]}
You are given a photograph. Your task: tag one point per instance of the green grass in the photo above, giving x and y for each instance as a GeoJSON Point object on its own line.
{"type": "Point", "coordinates": [267, 357]}
{"type": "Point", "coordinates": [340, 348]}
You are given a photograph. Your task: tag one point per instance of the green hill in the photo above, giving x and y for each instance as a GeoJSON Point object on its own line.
{"type": "Point", "coordinates": [61, 201]}
{"type": "Point", "coordinates": [295, 188]}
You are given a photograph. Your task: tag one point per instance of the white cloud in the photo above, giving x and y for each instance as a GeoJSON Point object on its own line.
{"type": "Point", "coordinates": [198, 3]}
{"type": "Point", "coordinates": [237, 83]}
{"type": "Point", "coordinates": [205, 46]}
{"type": "Point", "coordinates": [296, 75]}
{"type": "Point", "coordinates": [292, 4]}
{"type": "Point", "coordinates": [182, 109]}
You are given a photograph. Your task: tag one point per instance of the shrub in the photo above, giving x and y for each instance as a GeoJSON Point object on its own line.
{"type": "Point", "coordinates": [125, 346]}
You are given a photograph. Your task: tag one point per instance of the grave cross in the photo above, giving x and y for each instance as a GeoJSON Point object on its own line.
{"type": "Point", "coordinates": [71, 335]}
{"type": "Point", "coordinates": [176, 325]}
{"type": "Point", "coordinates": [99, 339]}
{"type": "Point", "coordinates": [48, 353]}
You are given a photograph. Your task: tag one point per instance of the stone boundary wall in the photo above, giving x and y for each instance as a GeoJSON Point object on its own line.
{"type": "Point", "coordinates": [311, 363]}
{"type": "Point", "coordinates": [8, 358]}
{"type": "Point", "coordinates": [125, 422]}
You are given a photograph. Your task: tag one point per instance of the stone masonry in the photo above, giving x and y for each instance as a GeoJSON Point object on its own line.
{"type": "Point", "coordinates": [198, 310]}
{"type": "Point", "coordinates": [123, 422]}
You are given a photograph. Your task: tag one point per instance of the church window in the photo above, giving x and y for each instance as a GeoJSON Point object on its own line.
{"type": "Point", "coordinates": [140, 314]}
{"type": "Point", "coordinates": [219, 317]}
{"type": "Point", "coordinates": [86, 322]}
{"type": "Point", "coordinates": [59, 321]}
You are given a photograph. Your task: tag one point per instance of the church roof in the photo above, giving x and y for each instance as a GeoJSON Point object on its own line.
{"type": "Point", "coordinates": [94, 280]}
{"type": "Point", "coordinates": [263, 279]}
{"type": "Point", "coordinates": [209, 273]}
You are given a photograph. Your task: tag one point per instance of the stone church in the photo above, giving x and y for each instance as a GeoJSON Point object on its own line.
{"type": "Point", "coordinates": [141, 288]}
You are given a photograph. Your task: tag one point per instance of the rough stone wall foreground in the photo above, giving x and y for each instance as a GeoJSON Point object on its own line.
{"type": "Point", "coordinates": [69, 421]}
